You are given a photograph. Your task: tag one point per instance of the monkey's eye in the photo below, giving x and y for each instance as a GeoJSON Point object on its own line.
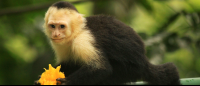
{"type": "Point", "coordinates": [53, 26]}
{"type": "Point", "coordinates": [62, 26]}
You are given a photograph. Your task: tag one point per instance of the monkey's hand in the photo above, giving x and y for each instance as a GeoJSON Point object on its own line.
{"type": "Point", "coordinates": [37, 81]}
{"type": "Point", "coordinates": [61, 81]}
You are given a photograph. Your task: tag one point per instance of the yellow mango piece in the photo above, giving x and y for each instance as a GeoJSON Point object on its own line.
{"type": "Point", "coordinates": [49, 76]}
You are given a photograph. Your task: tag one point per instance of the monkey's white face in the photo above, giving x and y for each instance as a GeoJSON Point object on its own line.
{"type": "Point", "coordinates": [63, 25]}
{"type": "Point", "coordinates": [58, 27]}
{"type": "Point", "coordinates": [57, 32]}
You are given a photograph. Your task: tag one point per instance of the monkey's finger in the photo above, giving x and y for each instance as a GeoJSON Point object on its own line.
{"type": "Point", "coordinates": [39, 76]}
{"type": "Point", "coordinates": [36, 83]}
{"type": "Point", "coordinates": [61, 79]}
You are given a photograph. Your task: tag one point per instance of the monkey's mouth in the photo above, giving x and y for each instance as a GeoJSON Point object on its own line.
{"type": "Point", "coordinates": [57, 40]}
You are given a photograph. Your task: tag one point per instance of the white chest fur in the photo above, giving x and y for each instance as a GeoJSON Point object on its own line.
{"type": "Point", "coordinates": [80, 49]}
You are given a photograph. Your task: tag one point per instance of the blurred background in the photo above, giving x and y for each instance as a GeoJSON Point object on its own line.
{"type": "Point", "coordinates": [170, 30]}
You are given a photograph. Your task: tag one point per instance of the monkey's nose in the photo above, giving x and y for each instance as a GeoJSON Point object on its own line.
{"type": "Point", "coordinates": [57, 35]}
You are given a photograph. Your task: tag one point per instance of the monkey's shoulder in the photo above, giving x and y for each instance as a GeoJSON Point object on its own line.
{"type": "Point", "coordinates": [105, 22]}
{"type": "Point", "coordinates": [101, 20]}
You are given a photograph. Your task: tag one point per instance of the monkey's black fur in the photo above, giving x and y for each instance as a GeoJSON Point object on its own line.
{"type": "Point", "coordinates": [63, 4]}
{"type": "Point", "coordinates": [124, 58]}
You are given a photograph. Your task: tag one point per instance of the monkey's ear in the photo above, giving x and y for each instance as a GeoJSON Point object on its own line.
{"type": "Point", "coordinates": [44, 25]}
{"type": "Point", "coordinates": [80, 18]}
{"type": "Point", "coordinates": [80, 15]}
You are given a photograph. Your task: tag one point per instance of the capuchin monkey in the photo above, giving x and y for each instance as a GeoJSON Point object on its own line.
{"type": "Point", "coordinates": [100, 50]}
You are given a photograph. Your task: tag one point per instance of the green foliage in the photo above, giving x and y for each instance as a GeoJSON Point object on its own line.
{"type": "Point", "coordinates": [170, 30]}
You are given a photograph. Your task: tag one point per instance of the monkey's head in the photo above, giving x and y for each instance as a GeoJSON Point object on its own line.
{"type": "Point", "coordinates": [63, 22]}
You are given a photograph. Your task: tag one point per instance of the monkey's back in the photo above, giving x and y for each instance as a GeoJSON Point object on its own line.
{"type": "Point", "coordinates": [117, 40]}
{"type": "Point", "coordinates": [121, 45]}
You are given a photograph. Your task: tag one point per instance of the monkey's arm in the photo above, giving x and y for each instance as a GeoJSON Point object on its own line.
{"type": "Point", "coordinates": [88, 75]}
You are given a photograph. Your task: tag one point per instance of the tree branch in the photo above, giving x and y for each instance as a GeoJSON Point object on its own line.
{"type": "Point", "coordinates": [24, 9]}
